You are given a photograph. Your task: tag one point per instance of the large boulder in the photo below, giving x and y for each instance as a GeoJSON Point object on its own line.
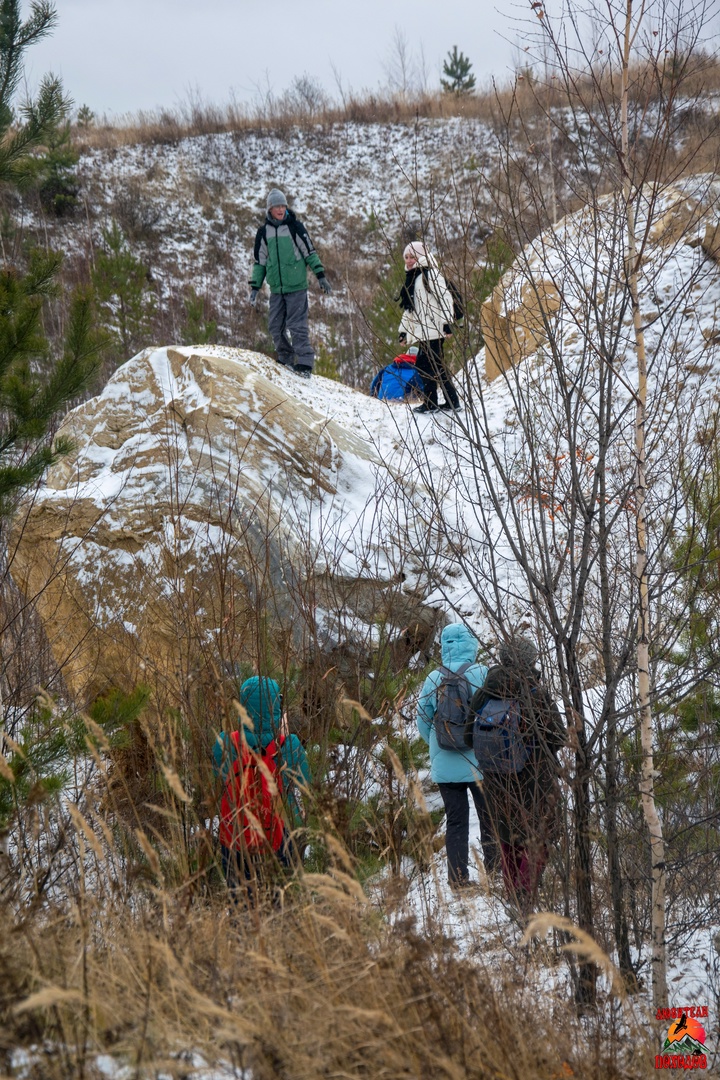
{"type": "Point", "coordinates": [513, 329]}
{"type": "Point", "coordinates": [205, 509]}
{"type": "Point", "coordinates": [552, 277]}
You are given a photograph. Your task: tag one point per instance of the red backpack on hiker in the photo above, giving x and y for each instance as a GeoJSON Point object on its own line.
{"type": "Point", "coordinates": [251, 808]}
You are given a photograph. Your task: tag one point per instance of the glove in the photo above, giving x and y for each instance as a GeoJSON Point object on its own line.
{"type": "Point", "coordinates": [253, 297]}
{"type": "Point", "coordinates": [325, 285]}
{"type": "Point", "coordinates": [402, 338]}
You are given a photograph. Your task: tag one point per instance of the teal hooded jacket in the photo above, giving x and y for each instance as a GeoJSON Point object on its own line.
{"type": "Point", "coordinates": [262, 700]}
{"type": "Point", "coordinates": [458, 646]}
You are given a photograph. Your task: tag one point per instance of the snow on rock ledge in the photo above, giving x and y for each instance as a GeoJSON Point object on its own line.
{"type": "Point", "coordinates": [204, 503]}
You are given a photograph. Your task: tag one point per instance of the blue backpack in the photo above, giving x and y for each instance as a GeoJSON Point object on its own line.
{"type": "Point", "coordinates": [498, 740]}
{"type": "Point", "coordinates": [397, 381]}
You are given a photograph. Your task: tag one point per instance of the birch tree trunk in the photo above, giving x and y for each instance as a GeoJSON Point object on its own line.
{"type": "Point", "coordinates": [647, 781]}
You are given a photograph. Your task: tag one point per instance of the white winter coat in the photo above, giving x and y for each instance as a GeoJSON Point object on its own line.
{"type": "Point", "coordinates": [432, 308]}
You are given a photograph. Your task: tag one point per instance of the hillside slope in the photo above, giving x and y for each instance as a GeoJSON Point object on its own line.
{"type": "Point", "coordinates": [460, 510]}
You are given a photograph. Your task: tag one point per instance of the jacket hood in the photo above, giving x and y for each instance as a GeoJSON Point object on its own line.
{"type": "Point", "coordinates": [420, 253]}
{"type": "Point", "coordinates": [262, 700]}
{"type": "Point", "coordinates": [458, 645]}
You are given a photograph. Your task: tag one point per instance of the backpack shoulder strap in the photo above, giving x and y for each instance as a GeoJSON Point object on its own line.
{"type": "Point", "coordinates": [269, 754]}
{"type": "Point", "coordinates": [238, 753]}
{"type": "Point", "coordinates": [297, 229]}
{"type": "Point", "coordinates": [260, 239]}
{"type": "Point", "coordinates": [272, 747]}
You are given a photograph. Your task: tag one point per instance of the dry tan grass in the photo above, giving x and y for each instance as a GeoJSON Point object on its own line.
{"type": "Point", "coordinates": [322, 987]}
{"type": "Point", "coordinates": [128, 943]}
{"type": "Point", "coordinates": [525, 93]}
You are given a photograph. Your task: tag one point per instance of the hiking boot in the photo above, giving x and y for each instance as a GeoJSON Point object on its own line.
{"type": "Point", "coordinates": [427, 407]}
{"type": "Point", "coordinates": [302, 370]}
{"type": "Point", "coordinates": [462, 885]}
{"type": "Point", "coordinates": [447, 406]}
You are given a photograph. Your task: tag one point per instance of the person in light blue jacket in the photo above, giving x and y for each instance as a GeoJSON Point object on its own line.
{"type": "Point", "coordinates": [455, 771]}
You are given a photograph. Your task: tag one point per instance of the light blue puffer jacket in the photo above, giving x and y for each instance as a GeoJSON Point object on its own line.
{"type": "Point", "coordinates": [458, 646]}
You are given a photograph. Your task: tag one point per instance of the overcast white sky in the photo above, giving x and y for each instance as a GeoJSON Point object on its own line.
{"type": "Point", "coordinates": [119, 56]}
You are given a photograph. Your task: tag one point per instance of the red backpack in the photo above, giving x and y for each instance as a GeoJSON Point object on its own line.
{"type": "Point", "coordinates": [250, 811]}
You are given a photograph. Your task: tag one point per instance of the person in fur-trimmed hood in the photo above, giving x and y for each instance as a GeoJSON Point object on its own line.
{"type": "Point", "coordinates": [283, 251]}
{"type": "Point", "coordinates": [427, 319]}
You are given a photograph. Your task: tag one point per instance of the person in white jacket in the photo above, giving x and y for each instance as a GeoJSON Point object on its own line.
{"type": "Point", "coordinates": [427, 318]}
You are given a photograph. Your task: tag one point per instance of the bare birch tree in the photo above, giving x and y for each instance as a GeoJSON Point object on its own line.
{"type": "Point", "coordinates": [647, 784]}
{"type": "Point", "coordinates": [565, 517]}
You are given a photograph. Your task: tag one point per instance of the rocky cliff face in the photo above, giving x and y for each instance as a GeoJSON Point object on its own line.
{"type": "Point", "coordinates": [550, 278]}
{"type": "Point", "coordinates": [204, 507]}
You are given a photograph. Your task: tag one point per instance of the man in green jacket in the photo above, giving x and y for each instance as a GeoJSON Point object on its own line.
{"type": "Point", "coordinates": [283, 251]}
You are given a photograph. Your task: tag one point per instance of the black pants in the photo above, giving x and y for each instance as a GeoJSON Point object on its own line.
{"type": "Point", "coordinates": [248, 873]}
{"type": "Point", "coordinates": [431, 365]}
{"type": "Point", "coordinates": [457, 829]}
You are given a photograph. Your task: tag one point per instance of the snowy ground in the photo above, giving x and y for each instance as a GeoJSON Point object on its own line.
{"type": "Point", "coordinates": [190, 209]}
{"type": "Point", "coordinates": [25, 1063]}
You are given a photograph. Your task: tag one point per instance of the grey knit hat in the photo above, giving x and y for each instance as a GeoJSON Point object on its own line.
{"type": "Point", "coordinates": [518, 652]}
{"type": "Point", "coordinates": [276, 198]}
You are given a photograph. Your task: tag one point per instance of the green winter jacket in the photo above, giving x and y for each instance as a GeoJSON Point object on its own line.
{"type": "Point", "coordinates": [262, 700]}
{"type": "Point", "coordinates": [283, 251]}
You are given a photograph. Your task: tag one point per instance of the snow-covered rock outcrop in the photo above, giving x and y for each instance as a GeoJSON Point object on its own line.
{"type": "Point", "coordinates": [206, 502]}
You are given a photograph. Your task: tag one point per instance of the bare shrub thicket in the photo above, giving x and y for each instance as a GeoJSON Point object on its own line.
{"type": "Point", "coordinates": [551, 494]}
{"type": "Point", "coordinates": [127, 940]}
{"type": "Point", "coordinates": [529, 109]}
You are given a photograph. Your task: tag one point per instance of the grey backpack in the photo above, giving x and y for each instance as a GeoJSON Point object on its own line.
{"type": "Point", "coordinates": [454, 694]}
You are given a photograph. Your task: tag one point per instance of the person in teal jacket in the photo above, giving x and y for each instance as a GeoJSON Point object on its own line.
{"type": "Point", "coordinates": [455, 771]}
{"type": "Point", "coordinates": [283, 252]}
{"type": "Point", "coordinates": [262, 700]}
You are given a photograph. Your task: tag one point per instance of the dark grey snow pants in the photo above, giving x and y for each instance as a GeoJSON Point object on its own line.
{"type": "Point", "coordinates": [457, 830]}
{"type": "Point", "coordinates": [288, 325]}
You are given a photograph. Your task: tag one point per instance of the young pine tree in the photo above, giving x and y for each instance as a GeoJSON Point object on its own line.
{"type": "Point", "coordinates": [457, 71]}
{"type": "Point", "coordinates": [121, 284]}
{"type": "Point", "coordinates": [24, 131]}
{"type": "Point", "coordinates": [35, 386]}
{"type": "Point", "coordinates": [35, 383]}
{"type": "Point", "coordinates": [56, 181]}
{"type": "Point", "coordinates": [198, 329]}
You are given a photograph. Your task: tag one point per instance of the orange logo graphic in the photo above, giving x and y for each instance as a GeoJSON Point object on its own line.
{"type": "Point", "coordinates": [684, 1046]}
